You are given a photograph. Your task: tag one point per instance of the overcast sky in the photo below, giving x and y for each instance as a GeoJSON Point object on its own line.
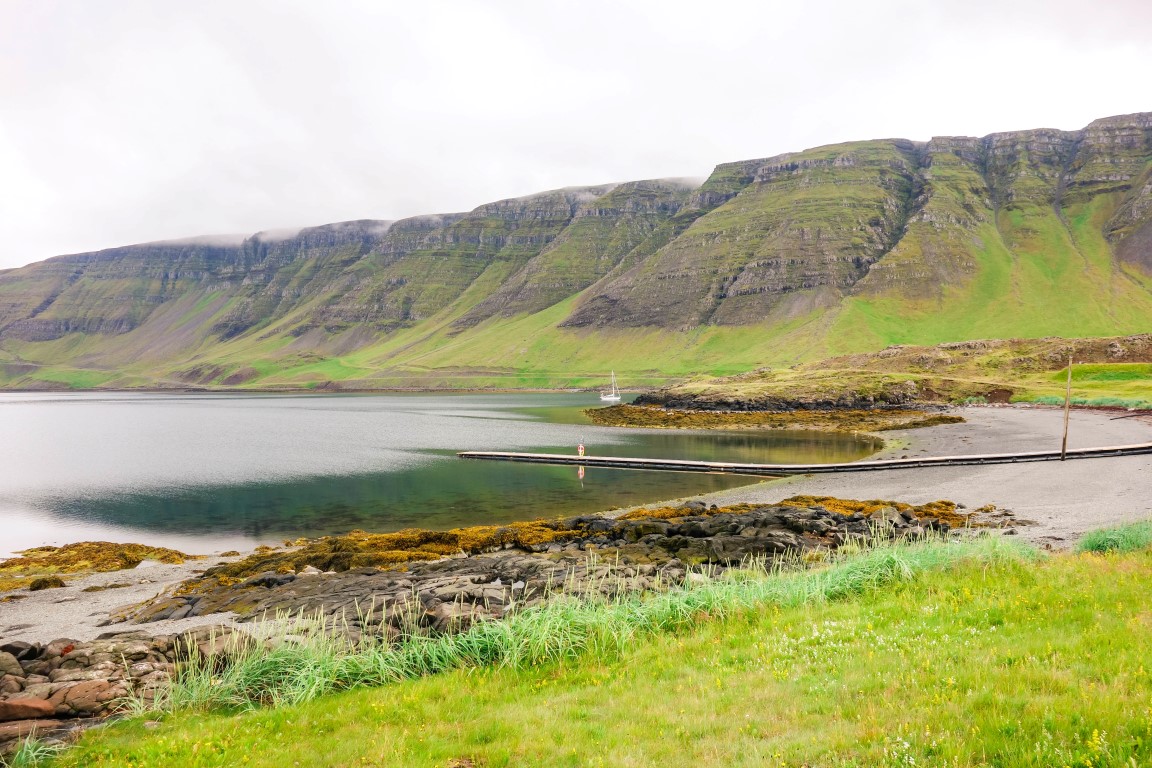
{"type": "Point", "coordinates": [125, 121]}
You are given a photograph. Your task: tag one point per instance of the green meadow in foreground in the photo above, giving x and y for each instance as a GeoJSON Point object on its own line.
{"type": "Point", "coordinates": [981, 653]}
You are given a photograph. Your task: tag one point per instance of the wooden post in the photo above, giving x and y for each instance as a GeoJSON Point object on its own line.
{"type": "Point", "coordinates": [1067, 410]}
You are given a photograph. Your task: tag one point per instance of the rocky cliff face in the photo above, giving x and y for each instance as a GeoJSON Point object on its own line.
{"type": "Point", "coordinates": [115, 291]}
{"type": "Point", "coordinates": [105, 292]}
{"type": "Point", "coordinates": [407, 280]}
{"type": "Point", "coordinates": [806, 229]}
{"type": "Point", "coordinates": [602, 232]}
{"type": "Point", "coordinates": [803, 222]}
{"type": "Point", "coordinates": [1027, 233]}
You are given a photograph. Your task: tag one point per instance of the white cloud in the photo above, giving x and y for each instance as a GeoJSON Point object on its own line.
{"type": "Point", "coordinates": [140, 121]}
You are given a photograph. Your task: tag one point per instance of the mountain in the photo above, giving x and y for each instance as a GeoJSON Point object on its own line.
{"type": "Point", "coordinates": [834, 250]}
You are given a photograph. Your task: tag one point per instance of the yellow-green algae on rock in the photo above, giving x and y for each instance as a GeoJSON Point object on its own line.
{"type": "Point", "coordinates": [80, 558]}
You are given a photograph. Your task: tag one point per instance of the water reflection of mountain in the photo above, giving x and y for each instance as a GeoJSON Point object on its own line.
{"type": "Point", "coordinates": [295, 466]}
{"type": "Point", "coordinates": [444, 494]}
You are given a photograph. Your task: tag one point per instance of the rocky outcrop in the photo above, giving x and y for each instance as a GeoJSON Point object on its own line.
{"type": "Point", "coordinates": [596, 555]}
{"type": "Point", "coordinates": [49, 690]}
{"type": "Point", "coordinates": [893, 395]}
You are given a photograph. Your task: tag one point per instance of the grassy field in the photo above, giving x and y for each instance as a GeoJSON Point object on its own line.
{"type": "Point", "coordinates": [979, 654]}
{"type": "Point", "coordinates": [1106, 372]}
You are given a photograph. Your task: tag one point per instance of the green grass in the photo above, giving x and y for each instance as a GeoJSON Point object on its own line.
{"type": "Point", "coordinates": [1109, 372]}
{"type": "Point", "coordinates": [75, 378]}
{"type": "Point", "coordinates": [1028, 369]}
{"type": "Point", "coordinates": [1124, 538]}
{"type": "Point", "coordinates": [946, 655]}
{"type": "Point", "coordinates": [1099, 402]}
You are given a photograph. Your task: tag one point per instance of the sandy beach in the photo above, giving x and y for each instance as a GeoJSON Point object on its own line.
{"type": "Point", "coordinates": [73, 613]}
{"type": "Point", "coordinates": [1053, 502]}
{"type": "Point", "coordinates": [1059, 500]}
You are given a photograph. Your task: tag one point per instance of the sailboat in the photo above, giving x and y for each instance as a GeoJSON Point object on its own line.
{"type": "Point", "coordinates": [614, 395]}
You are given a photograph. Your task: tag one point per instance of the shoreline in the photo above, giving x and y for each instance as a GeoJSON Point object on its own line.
{"type": "Point", "coordinates": [1053, 504]}
{"type": "Point", "coordinates": [75, 614]}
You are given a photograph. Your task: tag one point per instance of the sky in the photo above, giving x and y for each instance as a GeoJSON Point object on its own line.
{"type": "Point", "coordinates": [125, 121]}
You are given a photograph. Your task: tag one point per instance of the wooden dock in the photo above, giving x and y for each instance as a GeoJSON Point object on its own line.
{"type": "Point", "coordinates": [777, 470]}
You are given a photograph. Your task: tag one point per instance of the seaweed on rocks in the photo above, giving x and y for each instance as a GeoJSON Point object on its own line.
{"type": "Point", "coordinates": [81, 557]}
{"type": "Point", "coordinates": [436, 580]}
{"type": "Point", "coordinates": [826, 419]}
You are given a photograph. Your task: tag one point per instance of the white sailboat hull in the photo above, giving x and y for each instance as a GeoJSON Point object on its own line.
{"type": "Point", "coordinates": [614, 395]}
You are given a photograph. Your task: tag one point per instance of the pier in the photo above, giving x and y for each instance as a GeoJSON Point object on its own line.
{"type": "Point", "coordinates": [780, 470]}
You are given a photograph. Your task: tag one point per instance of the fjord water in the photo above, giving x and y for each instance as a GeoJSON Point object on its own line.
{"type": "Point", "coordinates": [205, 472]}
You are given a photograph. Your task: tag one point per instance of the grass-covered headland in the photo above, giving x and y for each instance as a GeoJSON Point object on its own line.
{"type": "Point", "coordinates": [888, 386]}
{"type": "Point", "coordinates": [952, 653]}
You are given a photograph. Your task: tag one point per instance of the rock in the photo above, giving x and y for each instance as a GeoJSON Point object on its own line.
{"type": "Point", "coordinates": [162, 609]}
{"type": "Point", "coordinates": [38, 690]}
{"type": "Point", "coordinates": [20, 729]}
{"type": "Point", "coordinates": [9, 665]}
{"type": "Point", "coordinates": [87, 698]}
{"type": "Point", "coordinates": [83, 674]}
{"type": "Point", "coordinates": [46, 582]}
{"type": "Point", "coordinates": [136, 634]}
{"type": "Point", "coordinates": [213, 641]}
{"type": "Point", "coordinates": [25, 708]}
{"type": "Point", "coordinates": [269, 579]}
{"type": "Point", "coordinates": [11, 684]}
{"type": "Point", "coordinates": [180, 613]}
{"type": "Point", "coordinates": [886, 515]}
{"type": "Point", "coordinates": [19, 649]}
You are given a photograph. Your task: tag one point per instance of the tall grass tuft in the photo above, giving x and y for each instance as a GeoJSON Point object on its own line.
{"type": "Point", "coordinates": [564, 629]}
{"type": "Point", "coordinates": [32, 753]}
{"type": "Point", "coordinates": [1125, 538]}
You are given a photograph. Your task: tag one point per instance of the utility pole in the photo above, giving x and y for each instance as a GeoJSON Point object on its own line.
{"type": "Point", "coordinates": [1067, 409]}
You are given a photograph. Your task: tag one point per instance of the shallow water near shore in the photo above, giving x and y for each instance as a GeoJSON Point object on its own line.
{"type": "Point", "coordinates": [205, 472]}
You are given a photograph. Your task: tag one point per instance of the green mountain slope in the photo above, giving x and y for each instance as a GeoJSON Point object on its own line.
{"type": "Point", "coordinates": [834, 250]}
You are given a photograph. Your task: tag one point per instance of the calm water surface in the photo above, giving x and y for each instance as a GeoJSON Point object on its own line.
{"type": "Point", "coordinates": [210, 472]}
